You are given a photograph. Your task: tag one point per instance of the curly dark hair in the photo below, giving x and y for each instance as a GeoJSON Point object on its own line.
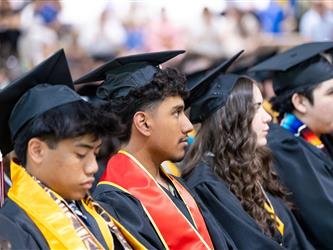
{"type": "Point", "coordinates": [283, 104]}
{"type": "Point", "coordinates": [237, 159]}
{"type": "Point", "coordinates": [166, 83]}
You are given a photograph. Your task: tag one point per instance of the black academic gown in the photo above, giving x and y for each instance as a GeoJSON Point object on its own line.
{"type": "Point", "coordinates": [130, 213]}
{"type": "Point", "coordinates": [31, 236]}
{"type": "Point", "coordinates": [11, 234]}
{"type": "Point", "coordinates": [219, 236]}
{"type": "Point", "coordinates": [307, 172]}
{"type": "Point", "coordinates": [327, 139]}
{"type": "Point", "coordinates": [241, 227]}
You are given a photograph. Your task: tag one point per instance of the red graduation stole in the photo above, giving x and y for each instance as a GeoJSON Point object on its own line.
{"type": "Point", "coordinates": [125, 172]}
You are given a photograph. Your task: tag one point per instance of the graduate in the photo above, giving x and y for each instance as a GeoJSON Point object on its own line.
{"type": "Point", "coordinates": [55, 135]}
{"type": "Point", "coordinates": [302, 142]}
{"type": "Point", "coordinates": [149, 101]}
{"type": "Point", "coordinates": [228, 166]}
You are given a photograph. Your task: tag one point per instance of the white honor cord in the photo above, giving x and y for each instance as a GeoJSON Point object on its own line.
{"type": "Point", "coordinates": [8, 180]}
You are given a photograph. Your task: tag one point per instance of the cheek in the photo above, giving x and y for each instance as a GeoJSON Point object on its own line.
{"type": "Point", "coordinates": [322, 102]}
{"type": "Point", "coordinates": [324, 107]}
{"type": "Point", "coordinates": [53, 159]}
{"type": "Point", "coordinates": [70, 164]}
{"type": "Point", "coordinates": [168, 126]}
{"type": "Point", "coordinates": [255, 124]}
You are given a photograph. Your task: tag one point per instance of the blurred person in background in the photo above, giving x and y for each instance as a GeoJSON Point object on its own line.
{"type": "Point", "coordinates": [134, 24]}
{"type": "Point", "coordinates": [241, 30]}
{"type": "Point", "coordinates": [204, 36]}
{"type": "Point", "coordinates": [4, 80]}
{"type": "Point", "coordinates": [10, 32]}
{"type": "Point", "coordinates": [163, 34]}
{"type": "Point", "coordinates": [317, 23]}
{"type": "Point", "coordinates": [105, 38]}
{"type": "Point", "coordinates": [40, 27]}
{"type": "Point", "coordinates": [78, 58]}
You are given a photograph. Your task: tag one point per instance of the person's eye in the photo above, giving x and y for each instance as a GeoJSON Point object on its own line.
{"type": "Point", "coordinates": [177, 113]}
{"type": "Point", "coordinates": [80, 156]}
{"type": "Point", "coordinates": [257, 105]}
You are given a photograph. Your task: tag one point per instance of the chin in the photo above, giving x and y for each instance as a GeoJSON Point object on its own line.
{"type": "Point", "coordinates": [328, 131]}
{"type": "Point", "coordinates": [262, 142]}
{"type": "Point", "coordinates": [77, 196]}
{"type": "Point", "coordinates": [177, 158]}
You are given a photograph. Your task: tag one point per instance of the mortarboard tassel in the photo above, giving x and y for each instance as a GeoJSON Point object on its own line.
{"type": "Point", "coordinates": [2, 182]}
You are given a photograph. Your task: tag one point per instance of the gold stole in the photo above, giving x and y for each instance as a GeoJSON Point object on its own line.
{"type": "Point", "coordinates": [278, 222]}
{"type": "Point", "coordinates": [55, 226]}
{"type": "Point", "coordinates": [270, 209]}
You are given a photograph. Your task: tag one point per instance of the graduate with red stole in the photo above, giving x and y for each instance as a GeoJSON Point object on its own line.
{"type": "Point", "coordinates": [150, 103]}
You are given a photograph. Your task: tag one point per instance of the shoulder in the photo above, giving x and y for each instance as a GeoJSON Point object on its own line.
{"type": "Point", "coordinates": [11, 232]}
{"type": "Point", "coordinates": [14, 212]}
{"type": "Point", "coordinates": [108, 191]}
{"type": "Point", "coordinates": [284, 143]}
{"type": "Point", "coordinates": [201, 174]}
{"type": "Point", "coordinates": [19, 229]}
{"type": "Point", "coordinates": [278, 134]}
{"type": "Point", "coordinates": [280, 138]}
{"type": "Point", "coordinates": [205, 183]}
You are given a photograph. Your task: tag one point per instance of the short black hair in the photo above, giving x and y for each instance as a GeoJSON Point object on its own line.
{"type": "Point", "coordinates": [70, 120]}
{"type": "Point", "coordinates": [166, 83]}
{"type": "Point", "coordinates": [283, 104]}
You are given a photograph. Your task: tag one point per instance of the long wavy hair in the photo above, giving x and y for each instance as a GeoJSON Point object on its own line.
{"type": "Point", "coordinates": [237, 158]}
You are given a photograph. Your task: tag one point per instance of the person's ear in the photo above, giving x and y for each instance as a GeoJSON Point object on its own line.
{"type": "Point", "coordinates": [141, 121]}
{"type": "Point", "coordinates": [300, 102]}
{"type": "Point", "coordinates": [36, 150]}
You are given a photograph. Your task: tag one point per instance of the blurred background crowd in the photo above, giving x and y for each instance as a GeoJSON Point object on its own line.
{"type": "Point", "coordinates": [92, 31]}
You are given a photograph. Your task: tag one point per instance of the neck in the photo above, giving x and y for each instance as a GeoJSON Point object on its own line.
{"type": "Point", "coordinates": [30, 170]}
{"type": "Point", "coordinates": [146, 158]}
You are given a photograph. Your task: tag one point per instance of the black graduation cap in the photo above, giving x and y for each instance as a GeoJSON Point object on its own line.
{"type": "Point", "coordinates": [88, 93]}
{"type": "Point", "coordinates": [193, 78]}
{"type": "Point", "coordinates": [123, 74]}
{"type": "Point", "coordinates": [47, 86]}
{"type": "Point", "coordinates": [300, 66]}
{"type": "Point", "coordinates": [242, 67]}
{"type": "Point", "coordinates": [211, 92]}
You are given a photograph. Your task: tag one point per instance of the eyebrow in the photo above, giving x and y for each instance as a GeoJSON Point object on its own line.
{"type": "Point", "coordinates": [89, 146]}
{"type": "Point", "coordinates": [180, 106]}
{"type": "Point", "coordinates": [330, 90]}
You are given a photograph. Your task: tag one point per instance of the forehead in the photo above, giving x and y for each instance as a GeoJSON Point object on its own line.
{"type": "Point", "coordinates": [171, 102]}
{"type": "Point", "coordinates": [257, 96]}
{"type": "Point", "coordinates": [325, 85]}
{"type": "Point", "coordinates": [87, 139]}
